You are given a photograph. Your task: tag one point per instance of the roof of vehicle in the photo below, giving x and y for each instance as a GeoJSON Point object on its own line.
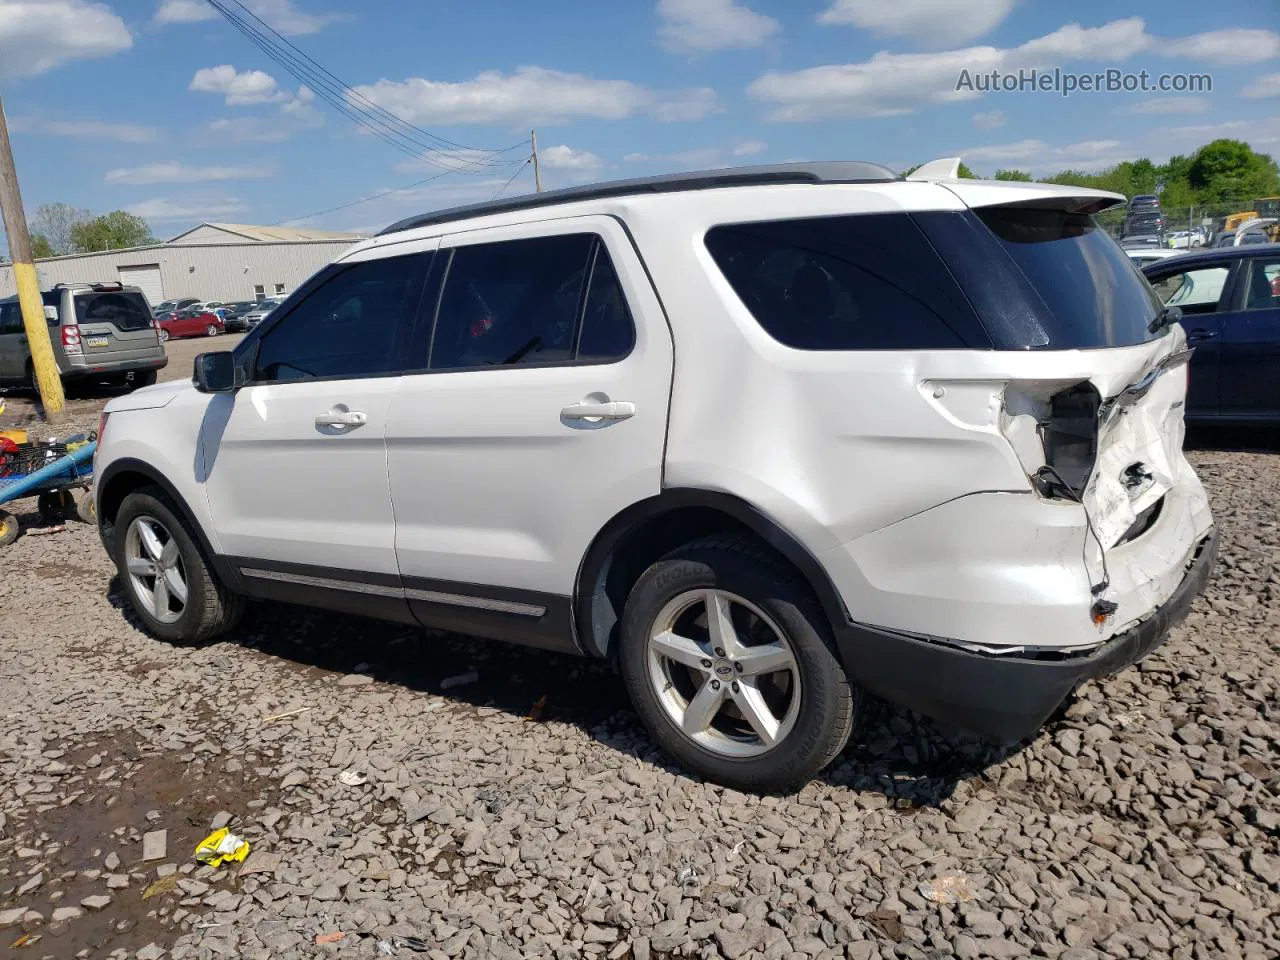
{"type": "Point", "coordinates": [975, 193]}
{"type": "Point", "coordinates": [1217, 254]}
{"type": "Point", "coordinates": [831, 171]}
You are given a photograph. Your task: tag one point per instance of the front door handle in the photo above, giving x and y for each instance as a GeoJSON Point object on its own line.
{"type": "Point", "coordinates": [342, 418]}
{"type": "Point", "coordinates": [1196, 336]}
{"type": "Point", "coordinates": [612, 410]}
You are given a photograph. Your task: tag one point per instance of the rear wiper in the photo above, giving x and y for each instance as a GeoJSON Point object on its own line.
{"type": "Point", "coordinates": [1167, 317]}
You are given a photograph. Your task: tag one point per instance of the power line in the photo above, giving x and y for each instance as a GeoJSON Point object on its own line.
{"type": "Point", "coordinates": [372, 196]}
{"type": "Point", "coordinates": [347, 87]}
{"type": "Point", "coordinates": [374, 119]}
{"type": "Point", "coordinates": [513, 176]}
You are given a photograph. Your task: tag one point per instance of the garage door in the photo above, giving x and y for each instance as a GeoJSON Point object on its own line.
{"type": "Point", "coordinates": [147, 277]}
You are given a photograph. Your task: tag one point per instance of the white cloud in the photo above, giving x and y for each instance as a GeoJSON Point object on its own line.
{"type": "Point", "coordinates": [173, 172]}
{"type": "Point", "coordinates": [1226, 47]}
{"type": "Point", "coordinates": [701, 26]}
{"type": "Point", "coordinates": [184, 11]}
{"type": "Point", "coordinates": [894, 83]}
{"type": "Point", "coordinates": [564, 157]}
{"type": "Point", "coordinates": [1165, 106]}
{"type": "Point", "coordinates": [1267, 85]}
{"type": "Point", "coordinates": [748, 148]}
{"type": "Point", "coordinates": [252, 86]}
{"type": "Point", "coordinates": [38, 35]}
{"type": "Point", "coordinates": [532, 95]}
{"type": "Point", "coordinates": [930, 22]}
{"type": "Point", "coordinates": [989, 120]}
{"type": "Point", "coordinates": [281, 15]}
{"type": "Point", "coordinates": [296, 115]}
{"type": "Point", "coordinates": [86, 129]}
{"type": "Point", "coordinates": [166, 208]}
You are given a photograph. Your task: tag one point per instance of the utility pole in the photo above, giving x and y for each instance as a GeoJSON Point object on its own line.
{"type": "Point", "coordinates": [24, 274]}
{"type": "Point", "coordinates": [537, 168]}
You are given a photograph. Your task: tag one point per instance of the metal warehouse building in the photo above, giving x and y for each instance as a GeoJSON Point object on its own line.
{"type": "Point", "coordinates": [214, 261]}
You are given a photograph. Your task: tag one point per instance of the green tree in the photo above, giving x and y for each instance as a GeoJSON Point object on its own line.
{"type": "Point", "coordinates": [40, 246]}
{"type": "Point", "coordinates": [1019, 175]}
{"type": "Point", "coordinates": [1230, 170]}
{"type": "Point", "coordinates": [111, 231]}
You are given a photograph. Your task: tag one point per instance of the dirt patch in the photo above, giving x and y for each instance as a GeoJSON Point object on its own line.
{"type": "Point", "coordinates": [115, 791]}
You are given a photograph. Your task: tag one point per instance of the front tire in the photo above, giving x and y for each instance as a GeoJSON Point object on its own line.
{"type": "Point", "coordinates": [728, 659]}
{"type": "Point", "coordinates": [170, 584]}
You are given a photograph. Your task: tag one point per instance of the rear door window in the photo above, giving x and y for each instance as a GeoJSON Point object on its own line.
{"type": "Point", "coordinates": [867, 282]}
{"type": "Point", "coordinates": [125, 311]}
{"type": "Point", "coordinates": [1262, 292]}
{"type": "Point", "coordinates": [544, 300]}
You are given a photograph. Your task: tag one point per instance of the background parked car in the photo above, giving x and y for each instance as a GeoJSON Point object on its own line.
{"type": "Point", "coordinates": [1230, 303]}
{"type": "Point", "coordinates": [233, 315]}
{"type": "Point", "coordinates": [99, 331]}
{"type": "Point", "coordinates": [190, 323]}
{"type": "Point", "coordinates": [261, 310]}
{"type": "Point", "coordinates": [170, 306]}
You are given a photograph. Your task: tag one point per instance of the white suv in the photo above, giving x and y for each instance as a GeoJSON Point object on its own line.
{"type": "Point", "coordinates": [768, 437]}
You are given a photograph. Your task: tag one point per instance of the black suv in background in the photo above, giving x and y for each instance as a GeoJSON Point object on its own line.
{"type": "Point", "coordinates": [1144, 218]}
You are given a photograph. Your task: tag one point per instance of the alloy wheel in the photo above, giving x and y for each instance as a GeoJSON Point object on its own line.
{"type": "Point", "coordinates": [155, 569]}
{"type": "Point", "coordinates": [724, 673]}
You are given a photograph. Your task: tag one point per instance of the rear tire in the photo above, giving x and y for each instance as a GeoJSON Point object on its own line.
{"type": "Point", "coordinates": [211, 330]}
{"type": "Point", "coordinates": [150, 544]}
{"type": "Point", "coordinates": [779, 664]}
{"type": "Point", "coordinates": [86, 509]}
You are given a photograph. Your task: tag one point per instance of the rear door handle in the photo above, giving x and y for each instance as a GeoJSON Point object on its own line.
{"type": "Point", "coordinates": [345, 418]}
{"type": "Point", "coordinates": [1196, 336]}
{"type": "Point", "coordinates": [612, 410]}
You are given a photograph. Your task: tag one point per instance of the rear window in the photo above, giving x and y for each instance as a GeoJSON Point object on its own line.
{"type": "Point", "coordinates": [125, 311]}
{"type": "Point", "coordinates": [1094, 295]}
{"type": "Point", "coordinates": [1044, 279]}
{"type": "Point", "coordinates": [866, 282]}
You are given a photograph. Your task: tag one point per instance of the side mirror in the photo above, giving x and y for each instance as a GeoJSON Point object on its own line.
{"type": "Point", "coordinates": [216, 373]}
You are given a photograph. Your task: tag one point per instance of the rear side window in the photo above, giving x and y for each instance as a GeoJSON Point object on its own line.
{"type": "Point", "coordinates": [10, 318]}
{"type": "Point", "coordinates": [125, 311]}
{"type": "Point", "coordinates": [543, 300]}
{"type": "Point", "coordinates": [353, 325]}
{"type": "Point", "coordinates": [868, 282]}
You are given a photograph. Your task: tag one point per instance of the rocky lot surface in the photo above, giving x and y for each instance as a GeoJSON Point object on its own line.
{"type": "Point", "coordinates": [526, 814]}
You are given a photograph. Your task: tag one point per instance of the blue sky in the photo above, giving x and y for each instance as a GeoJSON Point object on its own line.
{"type": "Point", "coordinates": [162, 108]}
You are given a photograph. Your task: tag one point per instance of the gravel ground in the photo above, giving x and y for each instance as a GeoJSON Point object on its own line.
{"type": "Point", "coordinates": [526, 814]}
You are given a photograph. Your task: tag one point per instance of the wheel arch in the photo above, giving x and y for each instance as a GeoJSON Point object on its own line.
{"type": "Point", "coordinates": [643, 532]}
{"type": "Point", "coordinates": [122, 477]}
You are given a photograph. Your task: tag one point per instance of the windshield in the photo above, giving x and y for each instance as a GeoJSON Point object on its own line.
{"type": "Point", "coordinates": [126, 311]}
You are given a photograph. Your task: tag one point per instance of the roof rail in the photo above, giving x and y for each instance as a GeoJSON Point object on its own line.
{"type": "Point", "coordinates": [830, 171]}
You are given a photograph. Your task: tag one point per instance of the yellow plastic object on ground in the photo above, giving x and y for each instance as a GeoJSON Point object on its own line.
{"type": "Point", "coordinates": [222, 846]}
{"type": "Point", "coordinates": [17, 436]}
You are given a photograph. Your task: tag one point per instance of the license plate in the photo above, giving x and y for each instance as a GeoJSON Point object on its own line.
{"type": "Point", "coordinates": [97, 341]}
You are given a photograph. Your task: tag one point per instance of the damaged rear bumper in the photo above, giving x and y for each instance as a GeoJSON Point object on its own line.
{"type": "Point", "coordinates": [1005, 698]}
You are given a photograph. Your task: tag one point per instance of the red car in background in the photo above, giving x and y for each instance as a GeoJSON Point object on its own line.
{"type": "Point", "coordinates": [189, 323]}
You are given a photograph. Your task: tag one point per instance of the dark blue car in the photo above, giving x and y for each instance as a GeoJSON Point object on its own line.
{"type": "Point", "coordinates": [1230, 302]}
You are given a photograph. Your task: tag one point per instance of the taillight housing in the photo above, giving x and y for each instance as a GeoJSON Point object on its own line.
{"type": "Point", "coordinates": [71, 339]}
